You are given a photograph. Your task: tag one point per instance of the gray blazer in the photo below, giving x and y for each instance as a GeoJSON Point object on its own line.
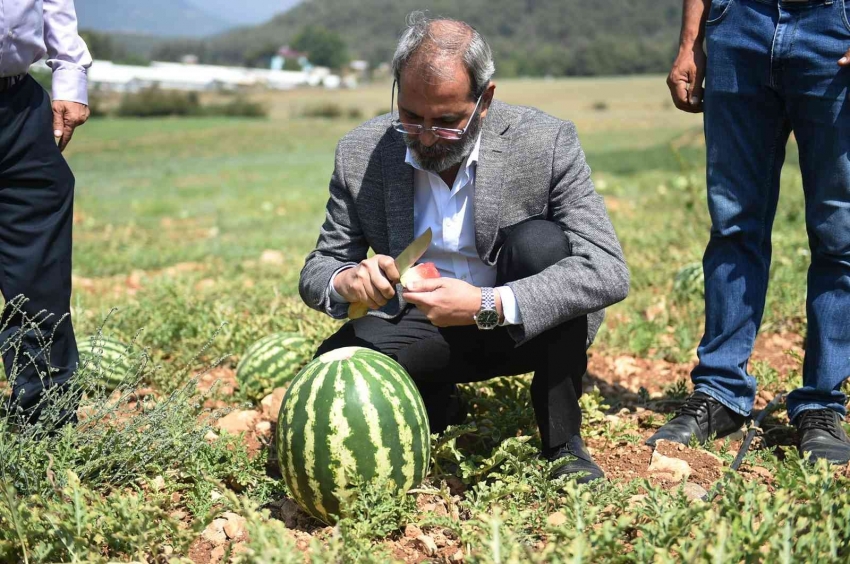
{"type": "Point", "coordinates": [531, 166]}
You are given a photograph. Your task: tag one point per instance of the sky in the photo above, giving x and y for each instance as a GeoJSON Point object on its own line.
{"type": "Point", "coordinates": [244, 11]}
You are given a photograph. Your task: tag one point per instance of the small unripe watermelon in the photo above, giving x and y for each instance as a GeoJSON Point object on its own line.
{"type": "Point", "coordinates": [270, 363]}
{"type": "Point", "coordinates": [110, 358]}
{"type": "Point", "coordinates": [351, 415]}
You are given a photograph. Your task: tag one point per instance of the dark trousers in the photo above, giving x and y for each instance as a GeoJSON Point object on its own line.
{"type": "Point", "coordinates": [437, 359]}
{"type": "Point", "coordinates": [36, 217]}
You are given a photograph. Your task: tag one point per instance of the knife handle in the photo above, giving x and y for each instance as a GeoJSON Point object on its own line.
{"type": "Point", "coordinates": [357, 310]}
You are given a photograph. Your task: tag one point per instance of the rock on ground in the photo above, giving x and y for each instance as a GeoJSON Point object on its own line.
{"type": "Point", "coordinates": [557, 519]}
{"type": "Point", "coordinates": [660, 464]}
{"type": "Point", "coordinates": [238, 422]}
{"type": "Point", "coordinates": [214, 532]}
{"type": "Point", "coordinates": [694, 492]}
{"type": "Point", "coordinates": [427, 544]}
{"type": "Point", "coordinates": [271, 404]}
{"type": "Point", "coordinates": [234, 528]}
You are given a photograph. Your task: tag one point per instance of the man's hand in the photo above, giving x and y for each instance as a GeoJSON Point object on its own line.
{"type": "Point", "coordinates": [686, 77]}
{"type": "Point", "coordinates": [447, 302]}
{"type": "Point", "coordinates": [67, 116]}
{"type": "Point", "coordinates": [372, 282]}
{"type": "Point", "coordinates": [845, 60]}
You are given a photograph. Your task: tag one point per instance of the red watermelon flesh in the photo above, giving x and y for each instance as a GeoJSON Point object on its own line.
{"type": "Point", "coordinates": [424, 271]}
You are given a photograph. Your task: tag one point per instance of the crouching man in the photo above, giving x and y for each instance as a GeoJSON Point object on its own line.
{"type": "Point", "coordinates": [527, 255]}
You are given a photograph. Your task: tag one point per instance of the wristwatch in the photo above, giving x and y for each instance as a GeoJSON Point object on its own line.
{"type": "Point", "coordinates": [487, 318]}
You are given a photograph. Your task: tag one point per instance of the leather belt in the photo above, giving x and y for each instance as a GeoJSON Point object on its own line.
{"type": "Point", "coordinates": [8, 82]}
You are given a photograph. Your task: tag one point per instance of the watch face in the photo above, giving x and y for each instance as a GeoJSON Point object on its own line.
{"type": "Point", "coordinates": [488, 318]}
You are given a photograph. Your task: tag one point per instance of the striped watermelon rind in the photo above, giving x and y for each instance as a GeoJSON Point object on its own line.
{"type": "Point", "coordinates": [271, 363]}
{"type": "Point", "coordinates": [351, 415]}
{"type": "Point", "coordinates": [110, 358]}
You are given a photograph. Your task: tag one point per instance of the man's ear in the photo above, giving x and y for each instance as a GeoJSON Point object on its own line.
{"type": "Point", "coordinates": [487, 99]}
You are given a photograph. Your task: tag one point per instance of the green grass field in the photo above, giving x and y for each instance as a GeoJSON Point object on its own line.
{"type": "Point", "coordinates": [189, 238]}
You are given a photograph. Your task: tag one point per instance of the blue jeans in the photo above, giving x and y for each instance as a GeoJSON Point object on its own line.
{"type": "Point", "coordinates": [772, 69]}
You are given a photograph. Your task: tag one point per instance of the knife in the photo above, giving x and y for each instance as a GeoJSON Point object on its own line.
{"type": "Point", "coordinates": [404, 262]}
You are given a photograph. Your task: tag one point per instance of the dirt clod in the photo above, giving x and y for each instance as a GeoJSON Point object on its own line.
{"type": "Point", "coordinates": [761, 472]}
{"type": "Point", "coordinates": [217, 554]}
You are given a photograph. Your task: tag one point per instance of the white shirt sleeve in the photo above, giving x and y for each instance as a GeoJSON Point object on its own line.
{"type": "Point", "coordinates": [510, 309]}
{"type": "Point", "coordinates": [67, 53]}
{"type": "Point", "coordinates": [336, 298]}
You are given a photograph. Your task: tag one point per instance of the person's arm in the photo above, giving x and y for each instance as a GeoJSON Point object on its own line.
{"type": "Point", "coordinates": [686, 77]}
{"type": "Point", "coordinates": [338, 273]}
{"type": "Point", "coordinates": [68, 56]}
{"type": "Point", "coordinates": [595, 276]}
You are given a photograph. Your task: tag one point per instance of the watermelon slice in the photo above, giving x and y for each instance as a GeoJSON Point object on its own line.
{"type": "Point", "coordinates": [424, 271]}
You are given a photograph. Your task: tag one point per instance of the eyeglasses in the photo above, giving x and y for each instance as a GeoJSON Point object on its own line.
{"type": "Point", "coordinates": [441, 132]}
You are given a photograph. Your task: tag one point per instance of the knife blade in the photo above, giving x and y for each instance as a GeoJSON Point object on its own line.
{"type": "Point", "coordinates": [404, 262]}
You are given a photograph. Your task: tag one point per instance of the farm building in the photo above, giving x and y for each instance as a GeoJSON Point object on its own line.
{"type": "Point", "coordinates": [111, 77]}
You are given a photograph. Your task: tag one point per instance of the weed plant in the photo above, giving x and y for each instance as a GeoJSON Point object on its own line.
{"type": "Point", "coordinates": [104, 487]}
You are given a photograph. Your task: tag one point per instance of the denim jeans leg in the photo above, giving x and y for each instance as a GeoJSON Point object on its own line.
{"type": "Point", "coordinates": [818, 105]}
{"type": "Point", "coordinates": [746, 132]}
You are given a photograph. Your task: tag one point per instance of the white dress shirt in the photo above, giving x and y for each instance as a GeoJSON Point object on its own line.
{"type": "Point", "coordinates": [450, 213]}
{"type": "Point", "coordinates": [33, 29]}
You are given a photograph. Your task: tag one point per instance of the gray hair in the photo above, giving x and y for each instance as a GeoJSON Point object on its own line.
{"type": "Point", "coordinates": [460, 40]}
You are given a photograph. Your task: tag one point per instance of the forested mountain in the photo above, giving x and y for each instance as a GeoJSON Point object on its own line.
{"type": "Point", "coordinates": [244, 11]}
{"type": "Point", "coordinates": [530, 37]}
{"type": "Point", "coordinates": [148, 17]}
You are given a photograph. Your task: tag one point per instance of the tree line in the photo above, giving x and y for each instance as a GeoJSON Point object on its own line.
{"type": "Point", "coordinates": [529, 37]}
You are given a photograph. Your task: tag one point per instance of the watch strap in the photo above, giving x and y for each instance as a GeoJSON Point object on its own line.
{"type": "Point", "coordinates": [485, 316]}
{"type": "Point", "coordinates": [488, 299]}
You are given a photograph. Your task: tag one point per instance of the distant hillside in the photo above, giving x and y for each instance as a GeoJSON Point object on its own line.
{"type": "Point", "coordinates": [530, 37]}
{"type": "Point", "coordinates": [150, 17]}
{"type": "Point", "coordinates": [244, 11]}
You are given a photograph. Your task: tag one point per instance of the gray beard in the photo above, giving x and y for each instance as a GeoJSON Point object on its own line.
{"type": "Point", "coordinates": [440, 157]}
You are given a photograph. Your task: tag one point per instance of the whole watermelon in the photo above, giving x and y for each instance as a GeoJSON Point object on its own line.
{"type": "Point", "coordinates": [351, 414]}
{"type": "Point", "coordinates": [109, 357]}
{"type": "Point", "coordinates": [270, 363]}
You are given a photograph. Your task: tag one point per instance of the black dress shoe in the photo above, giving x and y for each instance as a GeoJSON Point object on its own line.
{"type": "Point", "coordinates": [701, 417]}
{"type": "Point", "coordinates": [581, 465]}
{"type": "Point", "coordinates": [822, 436]}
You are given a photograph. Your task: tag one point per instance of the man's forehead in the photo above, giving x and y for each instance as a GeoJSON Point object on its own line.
{"type": "Point", "coordinates": [446, 85]}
